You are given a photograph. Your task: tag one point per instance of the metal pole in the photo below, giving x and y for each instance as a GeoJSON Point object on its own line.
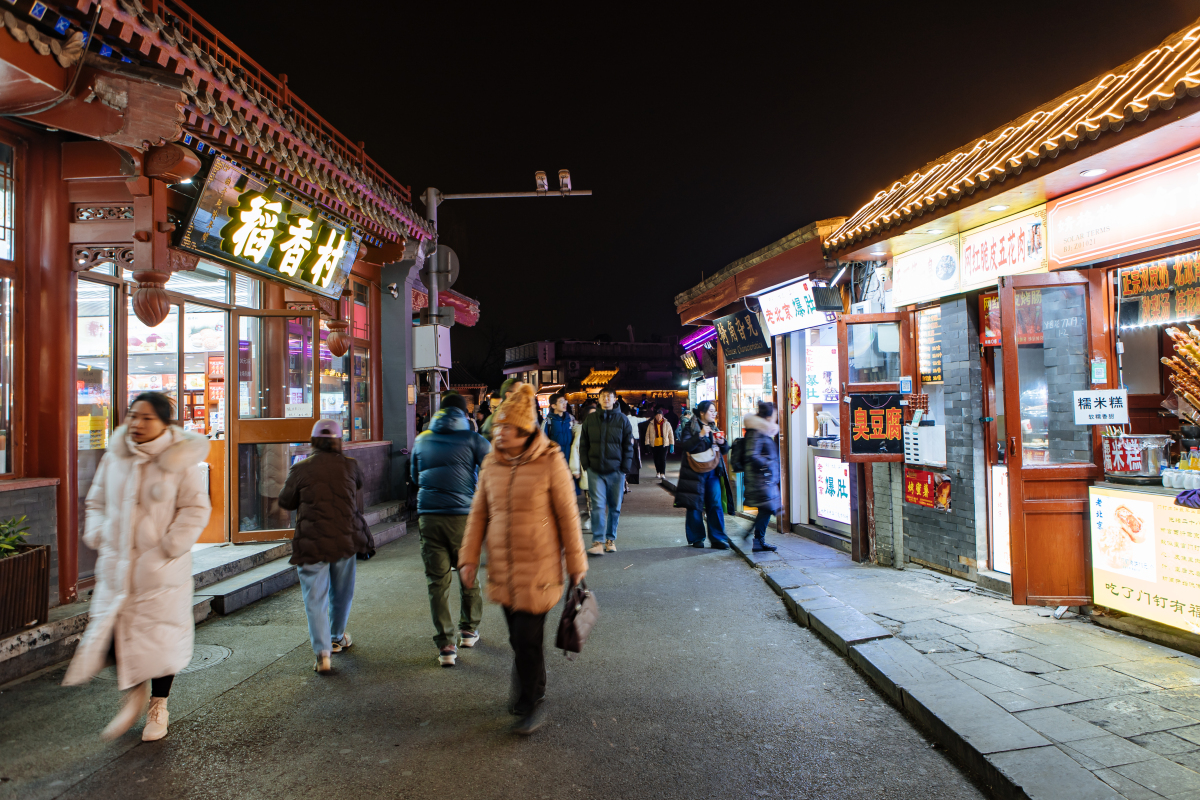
{"type": "Point", "coordinates": [432, 198]}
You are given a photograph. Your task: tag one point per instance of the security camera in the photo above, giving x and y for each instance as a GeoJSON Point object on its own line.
{"type": "Point", "coordinates": [394, 288]}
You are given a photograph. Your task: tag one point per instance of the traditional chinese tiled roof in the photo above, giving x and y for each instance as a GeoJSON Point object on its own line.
{"type": "Point", "coordinates": [234, 105]}
{"type": "Point", "coordinates": [599, 377]}
{"type": "Point", "coordinates": [1139, 87]}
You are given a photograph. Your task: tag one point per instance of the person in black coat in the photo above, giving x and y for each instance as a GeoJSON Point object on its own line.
{"type": "Point", "coordinates": [701, 491]}
{"type": "Point", "coordinates": [606, 453]}
{"type": "Point", "coordinates": [762, 471]}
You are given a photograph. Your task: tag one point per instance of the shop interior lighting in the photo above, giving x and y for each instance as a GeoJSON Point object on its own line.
{"type": "Point", "coordinates": [933, 231]}
{"type": "Point", "coordinates": [1157, 324]}
{"type": "Point", "coordinates": [1095, 172]}
{"type": "Point", "coordinates": [997, 208]}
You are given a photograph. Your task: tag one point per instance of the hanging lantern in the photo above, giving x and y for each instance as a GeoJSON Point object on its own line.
{"type": "Point", "coordinates": [338, 341]}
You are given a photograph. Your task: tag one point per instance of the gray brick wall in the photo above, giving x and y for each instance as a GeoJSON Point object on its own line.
{"type": "Point", "coordinates": [375, 462]}
{"type": "Point", "coordinates": [881, 478]}
{"type": "Point", "coordinates": [1064, 350]}
{"type": "Point", "coordinates": [947, 541]}
{"type": "Point", "coordinates": [38, 506]}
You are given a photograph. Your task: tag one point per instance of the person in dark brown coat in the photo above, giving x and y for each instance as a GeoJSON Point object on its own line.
{"type": "Point", "coordinates": [330, 532]}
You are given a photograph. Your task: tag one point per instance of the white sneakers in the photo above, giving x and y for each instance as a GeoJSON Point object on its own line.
{"type": "Point", "coordinates": [131, 710]}
{"type": "Point", "coordinates": [448, 655]}
{"type": "Point", "coordinates": [342, 644]}
{"type": "Point", "coordinates": [156, 720]}
{"type": "Point", "coordinates": [468, 638]}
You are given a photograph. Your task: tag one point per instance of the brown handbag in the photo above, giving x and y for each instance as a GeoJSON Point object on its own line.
{"type": "Point", "coordinates": [580, 612]}
{"type": "Point", "coordinates": [699, 463]}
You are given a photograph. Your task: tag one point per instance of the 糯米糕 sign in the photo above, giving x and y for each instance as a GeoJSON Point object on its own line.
{"type": "Point", "coordinates": [1101, 407]}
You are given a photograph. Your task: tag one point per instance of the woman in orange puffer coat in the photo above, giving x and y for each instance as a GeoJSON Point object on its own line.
{"type": "Point", "coordinates": [525, 513]}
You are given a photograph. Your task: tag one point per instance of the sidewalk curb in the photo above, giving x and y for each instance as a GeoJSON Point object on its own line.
{"type": "Point", "coordinates": [1009, 758]}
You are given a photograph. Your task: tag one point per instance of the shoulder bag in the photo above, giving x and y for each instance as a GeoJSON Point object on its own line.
{"type": "Point", "coordinates": [580, 612]}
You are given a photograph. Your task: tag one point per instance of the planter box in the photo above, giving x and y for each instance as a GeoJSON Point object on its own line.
{"type": "Point", "coordinates": [24, 589]}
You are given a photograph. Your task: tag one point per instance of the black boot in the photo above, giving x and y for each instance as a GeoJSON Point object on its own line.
{"type": "Point", "coordinates": [530, 722]}
{"type": "Point", "coordinates": [760, 546]}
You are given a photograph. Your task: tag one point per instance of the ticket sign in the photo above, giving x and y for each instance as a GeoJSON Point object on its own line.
{"type": "Point", "coordinates": [1153, 206]}
{"type": "Point", "coordinates": [792, 308]}
{"type": "Point", "coordinates": [833, 488]}
{"type": "Point", "coordinates": [240, 220]}
{"type": "Point", "coordinates": [1101, 407]}
{"type": "Point", "coordinates": [1144, 556]}
{"type": "Point", "coordinates": [876, 425]}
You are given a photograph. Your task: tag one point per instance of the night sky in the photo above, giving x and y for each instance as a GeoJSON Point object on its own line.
{"type": "Point", "coordinates": [704, 137]}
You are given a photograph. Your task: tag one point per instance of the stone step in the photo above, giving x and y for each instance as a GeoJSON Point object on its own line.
{"type": "Point", "coordinates": [382, 512]}
{"type": "Point", "coordinates": [389, 531]}
{"type": "Point", "coordinates": [213, 564]}
{"type": "Point", "coordinates": [229, 595]}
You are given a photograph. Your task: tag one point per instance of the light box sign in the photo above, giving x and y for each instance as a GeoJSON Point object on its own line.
{"type": "Point", "coordinates": [742, 337]}
{"type": "Point", "coordinates": [1153, 206]}
{"type": "Point", "coordinates": [1162, 291]}
{"type": "Point", "coordinates": [1009, 247]}
{"type": "Point", "coordinates": [926, 273]}
{"type": "Point", "coordinates": [1141, 556]}
{"type": "Point", "coordinates": [833, 488]}
{"type": "Point", "coordinates": [242, 221]}
{"type": "Point", "coordinates": [792, 308]}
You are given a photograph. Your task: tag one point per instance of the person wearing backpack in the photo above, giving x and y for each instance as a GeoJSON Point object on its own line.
{"type": "Point", "coordinates": [760, 461]}
{"type": "Point", "coordinates": [702, 479]}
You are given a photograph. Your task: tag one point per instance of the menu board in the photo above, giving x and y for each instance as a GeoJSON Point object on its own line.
{"type": "Point", "coordinates": [927, 489]}
{"type": "Point", "coordinates": [1145, 556]}
{"type": "Point", "coordinates": [833, 488]}
{"type": "Point", "coordinates": [876, 425]}
{"type": "Point", "coordinates": [1164, 290]}
{"type": "Point", "coordinates": [929, 344]}
{"type": "Point", "coordinates": [1029, 318]}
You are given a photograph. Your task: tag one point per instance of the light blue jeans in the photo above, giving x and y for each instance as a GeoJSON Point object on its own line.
{"type": "Point", "coordinates": [607, 492]}
{"type": "Point", "coordinates": [328, 591]}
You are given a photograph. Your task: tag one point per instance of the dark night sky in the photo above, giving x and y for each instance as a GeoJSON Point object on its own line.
{"type": "Point", "coordinates": [704, 137]}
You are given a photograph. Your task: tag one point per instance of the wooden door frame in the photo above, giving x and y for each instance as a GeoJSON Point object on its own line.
{"type": "Point", "coordinates": [263, 431]}
{"type": "Point", "coordinates": [903, 319]}
{"type": "Point", "coordinates": [1049, 472]}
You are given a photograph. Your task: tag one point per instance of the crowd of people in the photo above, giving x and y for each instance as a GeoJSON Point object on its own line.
{"type": "Point", "coordinates": [511, 488]}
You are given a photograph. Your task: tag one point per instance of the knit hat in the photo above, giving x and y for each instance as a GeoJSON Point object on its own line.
{"type": "Point", "coordinates": [454, 400]}
{"type": "Point", "coordinates": [517, 410]}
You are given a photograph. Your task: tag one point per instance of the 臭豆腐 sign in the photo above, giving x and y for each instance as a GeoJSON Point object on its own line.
{"type": "Point", "coordinates": [876, 425]}
{"type": "Point", "coordinates": [742, 337]}
{"type": "Point", "coordinates": [242, 221]}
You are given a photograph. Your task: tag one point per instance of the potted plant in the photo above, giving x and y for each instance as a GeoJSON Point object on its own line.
{"type": "Point", "coordinates": [24, 578]}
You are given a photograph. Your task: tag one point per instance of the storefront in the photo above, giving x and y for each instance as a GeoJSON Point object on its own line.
{"type": "Point", "coordinates": [224, 250]}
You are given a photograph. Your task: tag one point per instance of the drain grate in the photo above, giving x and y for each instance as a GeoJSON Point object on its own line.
{"type": "Point", "coordinates": [203, 657]}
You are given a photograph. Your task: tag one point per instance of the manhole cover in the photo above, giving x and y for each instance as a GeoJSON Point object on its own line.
{"type": "Point", "coordinates": [203, 657]}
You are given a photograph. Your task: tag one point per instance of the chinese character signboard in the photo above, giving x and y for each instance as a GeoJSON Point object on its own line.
{"type": "Point", "coordinates": [1153, 206]}
{"type": "Point", "coordinates": [1101, 407]}
{"type": "Point", "coordinates": [1146, 556]}
{"type": "Point", "coordinates": [239, 220]}
{"type": "Point", "coordinates": [821, 374]}
{"type": "Point", "coordinates": [927, 489]}
{"type": "Point", "coordinates": [876, 425]}
{"type": "Point", "coordinates": [1166, 290]}
{"type": "Point", "coordinates": [1009, 247]}
{"type": "Point", "coordinates": [792, 308]}
{"type": "Point", "coordinates": [929, 344]}
{"type": "Point", "coordinates": [833, 488]}
{"type": "Point", "coordinates": [1029, 318]}
{"type": "Point", "coordinates": [989, 320]}
{"type": "Point", "coordinates": [742, 337]}
{"type": "Point", "coordinates": [925, 273]}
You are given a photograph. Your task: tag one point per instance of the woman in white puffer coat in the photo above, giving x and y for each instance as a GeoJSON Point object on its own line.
{"type": "Point", "coordinates": [146, 508]}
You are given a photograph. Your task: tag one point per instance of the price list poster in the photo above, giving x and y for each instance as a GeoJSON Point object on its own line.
{"type": "Point", "coordinates": [1146, 556]}
{"type": "Point", "coordinates": [929, 344]}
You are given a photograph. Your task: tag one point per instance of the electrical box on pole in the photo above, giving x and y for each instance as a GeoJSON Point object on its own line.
{"type": "Point", "coordinates": [431, 347]}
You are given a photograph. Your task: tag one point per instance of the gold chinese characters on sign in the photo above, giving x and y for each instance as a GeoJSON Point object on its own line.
{"type": "Point", "coordinates": [255, 225]}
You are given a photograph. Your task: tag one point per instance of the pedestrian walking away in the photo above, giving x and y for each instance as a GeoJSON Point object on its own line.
{"type": "Point", "coordinates": [703, 483]}
{"type": "Point", "coordinates": [660, 438]}
{"type": "Point", "coordinates": [762, 471]}
{"type": "Point", "coordinates": [606, 453]}
{"type": "Point", "coordinates": [330, 531]}
{"type": "Point", "coordinates": [147, 506]}
{"type": "Point", "coordinates": [524, 513]}
{"type": "Point", "coordinates": [578, 472]}
{"type": "Point", "coordinates": [444, 465]}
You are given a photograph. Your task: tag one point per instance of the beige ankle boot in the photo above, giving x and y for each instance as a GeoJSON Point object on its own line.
{"type": "Point", "coordinates": [156, 720]}
{"type": "Point", "coordinates": [131, 711]}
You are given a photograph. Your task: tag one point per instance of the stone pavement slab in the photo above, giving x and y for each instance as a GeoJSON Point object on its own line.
{"type": "Point", "coordinates": [1096, 683]}
{"type": "Point", "coordinates": [1046, 773]}
{"type": "Point", "coordinates": [1130, 715]}
{"type": "Point", "coordinates": [913, 613]}
{"type": "Point", "coordinates": [1131, 790]}
{"type": "Point", "coordinates": [1185, 701]}
{"type": "Point", "coordinates": [1073, 655]}
{"type": "Point", "coordinates": [996, 674]}
{"type": "Point", "coordinates": [781, 579]}
{"type": "Point", "coordinates": [1056, 724]}
{"type": "Point", "coordinates": [1018, 659]}
{"type": "Point", "coordinates": [925, 629]}
{"type": "Point", "coordinates": [844, 626]}
{"type": "Point", "coordinates": [1110, 751]}
{"type": "Point", "coordinates": [1035, 697]}
{"type": "Point", "coordinates": [892, 665]}
{"type": "Point", "coordinates": [967, 719]}
{"type": "Point", "coordinates": [1165, 743]}
{"type": "Point", "coordinates": [991, 641]}
{"type": "Point", "coordinates": [1162, 776]}
{"type": "Point", "coordinates": [1167, 672]}
{"type": "Point", "coordinates": [979, 622]}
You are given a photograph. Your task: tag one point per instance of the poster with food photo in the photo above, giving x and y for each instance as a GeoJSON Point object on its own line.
{"type": "Point", "coordinates": [1123, 536]}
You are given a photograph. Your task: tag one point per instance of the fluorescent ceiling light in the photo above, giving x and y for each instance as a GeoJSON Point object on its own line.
{"type": "Point", "coordinates": [997, 208]}
{"type": "Point", "coordinates": [1094, 172]}
{"type": "Point", "coordinates": [933, 231]}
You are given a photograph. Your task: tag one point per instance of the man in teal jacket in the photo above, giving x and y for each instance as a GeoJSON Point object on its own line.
{"type": "Point", "coordinates": [445, 465]}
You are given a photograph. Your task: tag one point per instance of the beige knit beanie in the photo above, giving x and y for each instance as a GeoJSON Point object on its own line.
{"type": "Point", "coordinates": [517, 410]}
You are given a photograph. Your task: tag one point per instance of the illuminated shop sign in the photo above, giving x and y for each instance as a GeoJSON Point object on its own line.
{"type": "Point", "coordinates": [1009, 247]}
{"type": "Point", "coordinates": [1153, 206]}
{"type": "Point", "coordinates": [1163, 291]}
{"type": "Point", "coordinates": [742, 337]}
{"type": "Point", "coordinates": [926, 273]}
{"type": "Point", "coordinates": [793, 308]}
{"type": "Point", "coordinates": [242, 221]}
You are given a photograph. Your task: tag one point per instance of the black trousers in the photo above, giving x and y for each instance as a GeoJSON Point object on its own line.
{"type": "Point", "coordinates": [660, 460]}
{"type": "Point", "coordinates": [159, 687]}
{"type": "Point", "coordinates": [526, 634]}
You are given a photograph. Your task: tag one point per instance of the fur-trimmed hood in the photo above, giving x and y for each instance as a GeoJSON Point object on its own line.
{"type": "Point", "coordinates": [188, 448]}
{"type": "Point", "coordinates": [753, 422]}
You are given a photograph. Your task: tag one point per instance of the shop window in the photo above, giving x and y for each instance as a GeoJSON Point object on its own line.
{"type": "Point", "coordinates": [247, 291]}
{"type": "Point", "coordinates": [821, 382]}
{"type": "Point", "coordinates": [8, 204]}
{"type": "Point", "coordinates": [874, 352]}
{"type": "Point", "coordinates": [335, 385]}
{"type": "Point", "coordinates": [153, 357]}
{"type": "Point", "coordinates": [275, 369]}
{"type": "Point", "coordinates": [362, 395]}
{"type": "Point", "coordinates": [362, 304]}
{"type": "Point", "coordinates": [262, 470]}
{"type": "Point", "coordinates": [1139, 364]}
{"type": "Point", "coordinates": [206, 282]}
{"type": "Point", "coordinates": [94, 345]}
{"type": "Point", "coordinates": [204, 332]}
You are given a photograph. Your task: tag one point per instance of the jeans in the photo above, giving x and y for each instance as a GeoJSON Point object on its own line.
{"type": "Point", "coordinates": [441, 537]}
{"type": "Point", "coordinates": [660, 460]}
{"type": "Point", "coordinates": [526, 634]}
{"type": "Point", "coordinates": [328, 591]}
{"type": "Point", "coordinates": [710, 502]}
{"type": "Point", "coordinates": [607, 492]}
{"type": "Point", "coordinates": [760, 524]}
